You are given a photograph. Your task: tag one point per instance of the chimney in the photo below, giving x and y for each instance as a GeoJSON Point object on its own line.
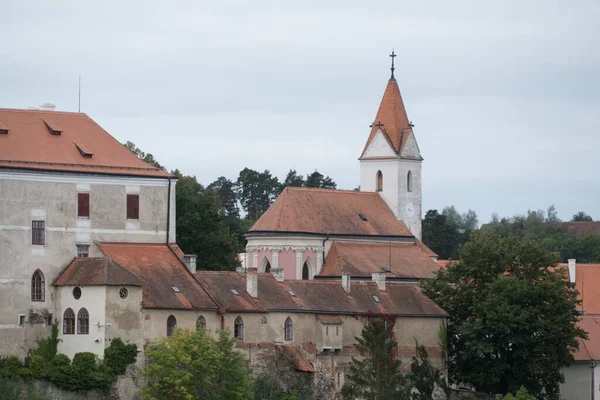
{"type": "Point", "coordinates": [379, 279]}
{"type": "Point", "coordinates": [190, 262]}
{"type": "Point", "coordinates": [346, 282]}
{"type": "Point", "coordinates": [277, 273]}
{"type": "Point", "coordinates": [252, 282]}
{"type": "Point", "coordinates": [572, 270]}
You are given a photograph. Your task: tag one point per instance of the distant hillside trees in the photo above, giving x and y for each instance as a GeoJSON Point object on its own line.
{"type": "Point", "coordinates": [444, 233]}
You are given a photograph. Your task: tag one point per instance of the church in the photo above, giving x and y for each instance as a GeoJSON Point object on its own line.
{"type": "Point", "coordinates": [88, 242]}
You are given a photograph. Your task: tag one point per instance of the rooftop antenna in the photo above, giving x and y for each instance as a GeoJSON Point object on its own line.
{"type": "Point", "coordinates": [79, 100]}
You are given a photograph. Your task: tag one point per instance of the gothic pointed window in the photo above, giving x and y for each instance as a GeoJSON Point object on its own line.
{"type": "Point", "coordinates": [238, 328]}
{"type": "Point", "coordinates": [171, 324]}
{"type": "Point", "coordinates": [289, 329]}
{"type": "Point", "coordinates": [37, 286]}
{"type": "Point", "coordinates": [409, 182]}
{"type": "Point", "coordinates": [201, 323]}
{"type": "Point", "coordinates": [83, 322]}
{"type": "Point", "coordinates": [379, 181]}
{"type": "Point", "coordinates": [306, 271]}
{"type": "Point", "coordinates": [267, 266]}
{"type": "Point", "coordinates": [69, 322]}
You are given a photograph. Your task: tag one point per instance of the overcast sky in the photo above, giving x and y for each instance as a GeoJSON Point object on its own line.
{"type": "Point", "coordinates": [505, 95]}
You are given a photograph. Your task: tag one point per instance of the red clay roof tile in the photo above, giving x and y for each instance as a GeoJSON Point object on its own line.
{"type": "Point", "coordinates": [100, 271]}
{"type": "Point", "coordinates": [160, 270]}
{"type": "Point", "coordinates": [29, 145]}
{"type": "Point", "coordinates": [296, 358]}
{"type": "Point", "coordinates": [362, 259]}
{"type": "Point", "coordinates": [327, 211]}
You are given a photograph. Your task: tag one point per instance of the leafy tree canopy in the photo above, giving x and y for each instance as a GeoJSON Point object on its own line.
{"type": "Point", "coordinates": [441, 232]}
{"type": "Point", "coordinates": [581, 216]}
{"type": "Point", "coordinates": [192, 365]}
{"type": "Point", "coordinates": [147, 157]}
{"type": "Point", "coordinates": [512, 317]}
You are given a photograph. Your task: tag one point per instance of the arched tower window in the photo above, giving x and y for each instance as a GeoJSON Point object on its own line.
{"type": "Point", "coordinates": [289, 329]}
{"type": "Point", "coordinates": [238, 328]}
{"type": "Point", "coordinates": [306, 271]}
{"type": "Point", "coordinates": [379, 181]}
{"type": "Point", "coordinates": [69, 322]}
{"type": "Point", "coordinates": [37, 286]}
{"type": "Point", "coordinates": [83, 322]}
{"type": "Point", "coordinates": [171, 325]}
{"type": "Point", "coordinates": [266, 265]}
{"type": "Point", "coordinates": [409, 182]}
{"type": "Point", "coordinates": [201, 323]}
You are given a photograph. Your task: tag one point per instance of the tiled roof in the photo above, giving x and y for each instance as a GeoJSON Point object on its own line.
{"type": "Point", "coordinates": [81, 146]}
{"type": "Point", "coordinates": [160, 270]}
{"type": "Point", "coordinates": [392, 115]}
{"type": "Point", "coordinates": [581, 228]}
{"type": "Point", "coordinates": [426, 250]}
{"type": "Point", "coordinates": [296, 358]}
{"type": "Point", "coordinates": [362, 259]}
{"type": "Point", "coordinates": [587, 282]}
{"type": "Point", "coordinates": [326, 211]}
{"type": "Point", "coordinates": [315, 296]}
{"type": "Point", "coordinates": [589, 349]}
{"type": "Point", "coordinates": [330, 319]}
{"type": "Point", "coordinates": [96, 272]}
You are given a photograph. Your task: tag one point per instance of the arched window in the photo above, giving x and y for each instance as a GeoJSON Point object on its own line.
{"type": "Point", "coordinates": [289, 329]}
{"type": "Point", "coordinates": [306, 271]}
{"type": "Point", "coordinates": [69, 322]}
{"type": "Point", "coordinates": [238, 328]}
{"type": "Point", "coordinates": [409, 182]}
{"type": "Point", "coordinates": [37, 286]}
{"type": "Point", "coordinates": [201, 323]}
{"type": "Point", "coordinates": [83, 322]}
{"type": "Point", "coordinates": [171, 324]}
{"type": "Point", "coordinates": [379, 181]}
{"type": "Point", "coordinates": [267, 266]}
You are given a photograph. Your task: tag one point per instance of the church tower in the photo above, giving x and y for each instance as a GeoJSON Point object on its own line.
{"type": "Point", "coordinates": [390, 163]}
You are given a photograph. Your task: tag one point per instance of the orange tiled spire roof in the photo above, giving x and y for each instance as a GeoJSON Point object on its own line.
{"type": "Point", "coordinates": [391, 117]}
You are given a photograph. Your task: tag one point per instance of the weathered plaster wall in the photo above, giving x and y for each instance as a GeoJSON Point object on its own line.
{"type": "Point", "coordinates": [578, 382]}
{"type": "Point", "coordinates": [93, 299]}
{"type": "Point", "coordinates": [124, 317]}
{"type": "Point", "coordinates": [155, 321]}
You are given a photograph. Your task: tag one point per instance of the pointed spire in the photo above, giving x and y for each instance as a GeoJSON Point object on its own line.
{"type": "Point", "coordinates": [393, 55]}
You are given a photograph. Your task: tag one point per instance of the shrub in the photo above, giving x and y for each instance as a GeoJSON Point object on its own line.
{"type": "Point", "coordinates": [119, 355]}
{"type": "Point", "coordinates": [11, 367]}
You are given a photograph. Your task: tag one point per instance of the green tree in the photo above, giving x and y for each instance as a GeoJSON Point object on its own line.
{"type": "Point", "coordinates": [317, 180]}
{"type": "Point", "coordinates": [147, 157]}
{"type": "Point", "coordinates": [424, 378]}
{"type": "Point", "coordinates": [377, 375]}
{"type": "Point", "coordinates": [440, 236]}
{"type": "Point", "coordinates": [512, 317]}
{"type": "Point", "coordinates": [201, 226]}
{"type": "Point", "coordinates": [192, 365]}
{"type": "Point", "coordinates": [293, 179]}
{"type": "Point", "coordinates": [522, 394]}
{"type": "Point", "coordinates": [581, 216]}
{"type": "Point", "coordinates": [256, 191]}
{"type": "Point", "coordinates": [226, 192]}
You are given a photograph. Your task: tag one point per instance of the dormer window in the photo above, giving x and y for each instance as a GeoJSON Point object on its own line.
{"type": "Point", "coordinates": [84, 150]}
{"type": "Point", "coordinates": [3, 129]}
{"type": "Point", "coordinates": [53, 128]}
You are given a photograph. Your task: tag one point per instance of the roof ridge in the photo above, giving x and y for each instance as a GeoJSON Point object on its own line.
{"type": "Point", "coordinates": [34, 110]}
{"type": "Point", "coordinates": [310, 189]}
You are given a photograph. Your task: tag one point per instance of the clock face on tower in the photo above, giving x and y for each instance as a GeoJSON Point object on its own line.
{"type": "Point", "coordinates": [410, 210]}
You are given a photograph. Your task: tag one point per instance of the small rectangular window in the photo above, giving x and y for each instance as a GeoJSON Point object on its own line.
{"type": "Point", "coordinates": [337, 331]}
{"type": "Point", "coordinates": [83, 205]}
{"type": "Point", "coordinates": [38, 232]}
{"type": "Point", "coordinates": [133, 206]}
{"type": "Point", "coordinates": [326, 331]}
{"type": "Point", "coordinates": [83, 250]}
{"type": "Point", "coordinates": [48, 320]}
{"type": "Point", "coordinates": [22, 319]}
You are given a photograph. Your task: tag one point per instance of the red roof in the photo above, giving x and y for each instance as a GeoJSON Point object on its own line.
{"type": "Point", "coordinates": [392, 114]}
{"type": "Point", "coordinates": [334, 212]}
{"type": "Point", "coordinates": [296, 357]}
{"type": "Point", "coordinates": [100, 271]}
{"type": "Point", "coordinates": [362, 259]}
{"type": "Point", "coordinates": [76, 144]}
{"type": "Point", "coordinates": [589, 349]}
{"type": "Point", "coordinates": [581, 228]}
{"type": "Point", "coordinates": [160, 270]}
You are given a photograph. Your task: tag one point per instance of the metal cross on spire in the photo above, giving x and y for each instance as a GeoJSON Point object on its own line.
{"type": "Point", "coordinates": [379, 125]}
{"type": "Point", "coordinates": [393, 55]}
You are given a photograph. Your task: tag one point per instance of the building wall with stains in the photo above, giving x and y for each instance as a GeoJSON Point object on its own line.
{"type": "Point", "coordinates": [52, 198]}
{"type": "Point", "coordinates": [124, 316]}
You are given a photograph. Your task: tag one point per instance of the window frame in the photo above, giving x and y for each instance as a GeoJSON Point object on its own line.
{"type": "Point", "coordinates": [78, 252]}
{"type": "Point", "coordinates": [409, 182]}
{"type": "Point", "coordinates": [133, 207]}
{"type": "Point", "coordinates": [38, 286]}
{"type": "Point", "coordinates": [69, 322]}
{"type": "Point", "coordinates": [201, 322]}
{"type": "Point", "coordinates": [238, 328]}
{"type": "Point", "coordinates": [38, 232]}
{"type": "Point", "coordinates": [379, 181]}
{"type": "Point", "coordinates": [83, 212]}
{"type": "Point", "coordinates": [83, 321]}
{"type": "Point", "coordinates": [171, 324]}
{"type": "Point", "coordinates": [288, 329]}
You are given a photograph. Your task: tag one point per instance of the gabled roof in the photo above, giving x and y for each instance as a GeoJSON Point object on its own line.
{"type": "Point", "coordinates": [318, 297]}
{"type": "Point", "coordinates": [99, 271]}
{"type": "Point", "coordinates": [587, 282]}
{"type": "Point", "coordinates": [407, 260]}
{"type": "Point", "coordinates": [589, 350]}
{"type": "Point", "coordinates": [334, 212]}
{"type": "Point", "coordinates": [65, 141]}
{"type": "Point", "coordinates": [160, 269]}
{"type": "Point", "coordinates": [392, 114]}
